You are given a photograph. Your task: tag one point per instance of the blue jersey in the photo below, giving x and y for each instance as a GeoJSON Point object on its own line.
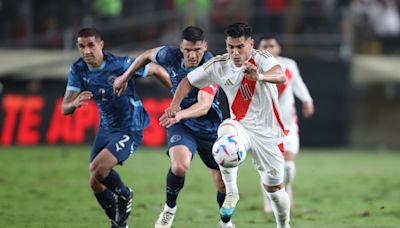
{"type": "Point", "coordinates": [171, 58]}
{"type": "Point", "coordinates": [124, 113]}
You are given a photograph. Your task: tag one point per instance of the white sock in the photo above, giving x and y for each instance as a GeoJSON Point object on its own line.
{"type": "Point", "coordinates": [171, 210]}
{"type": "Point", "coordinates": [267, 200]}
{"type": "Point", "coordinates": [281, 207]}
{"type": "Point", "coordinates": [290, 173]}
{"type": "Point", "coordinates": [229, 176]}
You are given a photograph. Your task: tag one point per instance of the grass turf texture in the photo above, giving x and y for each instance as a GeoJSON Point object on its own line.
{"type": "Point", "coordinates": [48, 187]}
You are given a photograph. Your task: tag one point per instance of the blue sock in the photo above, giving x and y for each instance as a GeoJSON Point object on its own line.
{"type": "Point", "coordinates": [115, 184]}
{"type": "Point", "coordinates": [107, 201]}
{"type": "Point", "coordinates": [174, 185]}
{"type": "Point", "coordinates": [220, 198]}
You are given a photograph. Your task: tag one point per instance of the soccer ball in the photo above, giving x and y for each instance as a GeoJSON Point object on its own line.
{"type": "Point", "coordinates": [229, 151]}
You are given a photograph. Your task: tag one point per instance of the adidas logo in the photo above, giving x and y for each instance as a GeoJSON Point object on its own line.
{"type": "Point", "coordinates": [228, 82]}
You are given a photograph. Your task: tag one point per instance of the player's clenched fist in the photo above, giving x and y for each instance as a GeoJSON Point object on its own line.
{"type": "Point", "coordinates": [250, 71]}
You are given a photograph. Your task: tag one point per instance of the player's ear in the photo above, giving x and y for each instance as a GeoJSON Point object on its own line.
{"type": "Point", "coordinates": [205, 45]}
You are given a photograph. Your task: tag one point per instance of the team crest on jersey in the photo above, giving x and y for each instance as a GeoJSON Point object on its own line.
{"type": "Point", "coordinates": [175, 138]}
{"type": "Point", "coordinates": [111, 79]}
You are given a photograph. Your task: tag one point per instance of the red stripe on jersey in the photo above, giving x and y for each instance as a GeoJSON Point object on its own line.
{"type": "Point", "coordinates": [283, 86]}
{"type": "Point", "coordinates": [211, 89]}
{"type": "Point", "coordinates": [282, 149]}
{"type": "Point", "coordinates": [278, 117]}
{"type": "Point", "coordinates": [243, 96]}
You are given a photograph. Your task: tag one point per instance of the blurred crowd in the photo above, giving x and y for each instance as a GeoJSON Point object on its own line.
{"type": "Point", "coordinates": [374, 25]}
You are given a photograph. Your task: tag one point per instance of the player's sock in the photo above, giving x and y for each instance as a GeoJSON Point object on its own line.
{"type": "Point", "coordinates": [290, 173]}
{"type": "Point", "coordinates": [281, 207]}
{"type": "Point", "coordinates": [267, 200]}
{"type": "Point", "coordinates": [174, 185]}
{"type": "Point", "coordinates": [220, 198]}
{"type": "Point", "coordinates": [229, 176]}
{"type": "Point", "coordinates": [107, 201]}
{"type": "Point", "coordinates": [115, 184]}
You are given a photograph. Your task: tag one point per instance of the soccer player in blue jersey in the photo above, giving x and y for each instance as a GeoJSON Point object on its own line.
{"type": "Point", "coordinates": [194, 128]}
{"type": "Point", "coordinates": [122, 118]}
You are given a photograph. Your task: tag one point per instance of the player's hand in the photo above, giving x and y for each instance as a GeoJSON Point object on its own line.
{"type": "Point", "coordinates": [172, 110]}
{"type": "Point", "coordinates": [250, 71]}
{"type": "Point", "coordinates": [167, 122]}
{"type": "Point", "coordinates": [120, 85]}
{"type": "Point", "coordinates": [82, 99]}
{"type": "Point", "coordinates": [308, 109]}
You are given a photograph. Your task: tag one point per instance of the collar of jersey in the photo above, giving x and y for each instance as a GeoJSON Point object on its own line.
{"type": "Point", "coordinates": [183, 66]}
{"type": "Point", "coordinates": [101, 67]}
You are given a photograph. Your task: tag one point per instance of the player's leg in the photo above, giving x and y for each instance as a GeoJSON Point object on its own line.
{"type": "Point", "coordinates": [205, 152]}
{"type": "Point", "coordinates": [269, 162]}
{"type": "Point", "coordinates": [229, 175]}
{"type": "Point", "coordinates": [118, 149]}
{"type": "Point", "coordinates": [104, 196]}
{"type": "Point", "coordinates": [290, 173]}
{"type": "Point", "coordinates": [292, 145]}
{"type": "Point", "coordinates": [181, 146]}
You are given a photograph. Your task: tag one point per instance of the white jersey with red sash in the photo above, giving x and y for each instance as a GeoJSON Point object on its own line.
{"type": "Point", "coordinates": [294, 86]}
{"type": "Point", "coordinates": [253, 103]}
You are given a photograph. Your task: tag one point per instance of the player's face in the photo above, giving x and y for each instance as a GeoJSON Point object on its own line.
{"type": "Point", "coordinates": [239, 49]}
{"type": "Point", "coordinates": [270, 45]}
{"type": "Point", "coordinates": [91, 50]}
{"type": "Point", "coordinates": [193, 52]}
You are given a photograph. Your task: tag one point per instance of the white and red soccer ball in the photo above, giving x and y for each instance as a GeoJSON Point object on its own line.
{"type": "Point", "coordinates": [229, 151]}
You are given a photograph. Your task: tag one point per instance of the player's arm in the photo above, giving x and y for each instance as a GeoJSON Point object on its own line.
{"type": "Point", "coordinates": [181, 92]}
{"type": "Point", "coordinates": [141, 61]}
{"type": "Point", "coordinates": [274, 75]}
{"type": "Point", "coordinates": [159, 72]}
{"type": "Point", "coordinates": [300, 91]}
{"type": "Point", "coordinates": [205, 99]}
{"type": "Point", "coordinates": [73, 100]}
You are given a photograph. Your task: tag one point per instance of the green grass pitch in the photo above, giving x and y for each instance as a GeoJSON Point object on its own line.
{"type": "Point", "coordinates": [349, 188]}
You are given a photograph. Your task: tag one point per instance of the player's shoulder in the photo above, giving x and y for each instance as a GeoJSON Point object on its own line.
{"type": "Point", "coordinates": [285, 59]}
{"type": "Point", "coordinates": [114, 58]}
{"type": "Point", "coordinates": [168, 54]}
{"type": "Point", "coordinates": [262, 53]}
{"type": "Point", "coordinates": [78, 66]}
{"type": "Point", "coordinates": [217, 60]}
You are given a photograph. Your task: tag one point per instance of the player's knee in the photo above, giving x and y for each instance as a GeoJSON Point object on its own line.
{"type": "Point", "coordinates": [180, 168]}
{"type": "Point", "coordinates": [98, 172]}
{"type": "Point", "coordinates": [94, 184]}
{"type": "Point", "coordinates": [227, 128]}
{"type": "Point", "coordinates": [275, 188]}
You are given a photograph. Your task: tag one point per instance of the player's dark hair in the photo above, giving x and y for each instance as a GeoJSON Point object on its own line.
{"type": "Point", "coordinates": [88, 32]}
{"type": "Point", "coordinates": [193, 34]}
{"type": "Point", "coordinates": [239, 29]}
{"type": "Point", "coordinates": [268, 37]}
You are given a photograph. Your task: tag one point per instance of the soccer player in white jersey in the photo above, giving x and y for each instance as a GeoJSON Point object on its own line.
{"type": "Point", "coordinates": [294, 86]}
{"type": "Point", "coordinates": [248, 78]}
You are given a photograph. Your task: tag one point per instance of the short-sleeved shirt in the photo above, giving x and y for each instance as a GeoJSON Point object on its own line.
{"type": "Point", "coordinates": [258, 104]}
{"type": "Point", "coordinates": [294, 86]}
{"type": "Point", "coordinates": [117, 113]}
{"type": "Point", "coordinates": [171, 58]}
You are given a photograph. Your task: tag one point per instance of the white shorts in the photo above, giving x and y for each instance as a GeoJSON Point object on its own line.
{"type": "Point", "coordinates": [267, 156]}
{"type": "Point", "coordinates": [292, 141]}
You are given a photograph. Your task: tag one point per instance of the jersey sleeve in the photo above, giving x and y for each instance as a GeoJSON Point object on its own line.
{"type": "Point", "coordinates": [74, 83]}
{"type": "Point", "coordinates": [142, 72]}
{"type": "Point", "coordinates": [211, 89]}
{"type": "Point", "coordinates": [299, 87]}
{"type": "Point", "coordinates": [162, 55]}
{"type": "Point", "coordinates": [200, 78]}
{"type": "Point", "coordinates": [266, 61]}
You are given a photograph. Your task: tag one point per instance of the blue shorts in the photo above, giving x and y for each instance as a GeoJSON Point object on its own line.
{"type": "Point", "coordinates": [179, 134]}
{"type": "Point", "coordinates": [120, 144]}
